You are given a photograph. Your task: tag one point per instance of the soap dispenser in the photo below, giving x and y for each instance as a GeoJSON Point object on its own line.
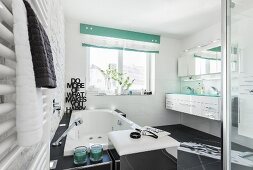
{"type": "Point", "coordinates": [202, 90]}
{"type": "Point", "coordinates": [198, 90]}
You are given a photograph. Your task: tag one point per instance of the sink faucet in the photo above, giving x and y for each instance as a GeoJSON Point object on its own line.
{"type": "Point", "coordinates": [191, 89]}
{"type": "Point", "coordinates": [216, 90]}
{"type": "Point", "coordinates": [77, 122]}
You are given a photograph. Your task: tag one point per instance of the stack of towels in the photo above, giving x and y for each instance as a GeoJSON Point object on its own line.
{"type": "Point", "coordinates": [30, 74]}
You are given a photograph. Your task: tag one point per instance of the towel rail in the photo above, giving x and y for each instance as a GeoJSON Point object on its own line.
{"type": "Point", "coordinates": [7, 145]}
{"type": "Point", "coordinates": [6, 34]}
{"type": "Point", "coordinates": [10, 152]}
{"type": "Point", "coordinates": [8, 137]}
{"type": "Point", "coordinates": [43, 159]}
{"type": "Point", "coordinates": [6, 71]}
{"type": "Point", "coordinates": [7, 89]}
{"type": "Point", "coordinates": [38, 7]}
{"type": "Point", "coordinates": [11, 157]}
{"type": "Point", "coordinates": [6, 126]}
{"type": "Point", "coordinates": [6, 108]}
{"type": "Point", "coordinates": [6, 52]}
{"type": "Point", "coordinates": [7, 116]}
{"type": "Point", "coordinates": [38, 157]}
{"type": "Point", "coordinates": [7, 3]}
{"type": "Point", "coordinates": [5, 15]}
{"type": "Point", "coordinates": [10, 132]}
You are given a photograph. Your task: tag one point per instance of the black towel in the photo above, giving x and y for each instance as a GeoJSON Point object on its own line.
{"type": "Point", "coordinates": [42, 56]}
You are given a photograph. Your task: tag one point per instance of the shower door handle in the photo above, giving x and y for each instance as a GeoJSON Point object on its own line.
{"type": "Point", "coordinates": [239, 110]}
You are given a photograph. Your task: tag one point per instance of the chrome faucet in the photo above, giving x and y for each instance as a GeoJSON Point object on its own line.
{"type": "Point", "coordinates": [216, 90]}
{"type": "Point", "coordinates": [119, 123]}
{"type": "Point", "coordinates": [191, 89]}
{"type": "Point", "coordinates": [56, 106]}
{"type": "Point", "coordinates": [77, 122]}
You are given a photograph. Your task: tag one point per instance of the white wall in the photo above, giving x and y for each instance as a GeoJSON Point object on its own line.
{"type": "Point", "coordinates": [202, 37]}
{"type": "Point", "coordinates": [205, 125]}
{"type": "Point", "coordinates": [144, 110]}
{"type": "Point", "coordinates": [57, 40]}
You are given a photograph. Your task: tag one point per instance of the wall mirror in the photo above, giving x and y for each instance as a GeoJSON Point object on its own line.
{"type": "Point", "coordinates": [201, 60]}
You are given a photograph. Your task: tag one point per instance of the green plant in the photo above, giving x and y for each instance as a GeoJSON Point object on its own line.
{"type": "Point", "coordinates": [122, 79]}
{"type": "Point", "coordinates": [128, 83]}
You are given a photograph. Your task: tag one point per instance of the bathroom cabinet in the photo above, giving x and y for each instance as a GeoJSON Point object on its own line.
{"type": "Point", "coordinates": [196, 66]}
{"type": "Point", "coordinates": [182, 67]}
{"type": "Point", "coordinates": [200, 62]}
{"type": "Point", "coordinates": [203, 106]}
{"type": "Point", "coordinates": [189, 66]}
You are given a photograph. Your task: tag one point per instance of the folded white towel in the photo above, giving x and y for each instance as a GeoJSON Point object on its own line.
{"type": "Point", "coordinates": [160, 133]}
{"type": "Point", "coordinates": [28, 112]}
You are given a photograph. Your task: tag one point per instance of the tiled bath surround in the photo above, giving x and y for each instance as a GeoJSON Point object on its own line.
{"type": "Point", "coordinates": [56, 35]}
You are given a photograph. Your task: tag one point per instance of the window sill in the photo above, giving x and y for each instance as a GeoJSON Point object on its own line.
{"type": "Point", "coordinates": [133, 93]}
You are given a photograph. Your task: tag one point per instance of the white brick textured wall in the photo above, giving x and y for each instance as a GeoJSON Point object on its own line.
{"type": "Point", "coordinates": [56, 25]}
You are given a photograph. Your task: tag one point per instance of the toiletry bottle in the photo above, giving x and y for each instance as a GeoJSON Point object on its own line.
{"type": "Point", "coordinates": [202, 90]}
{"type": "Point", "coordinates": [198, 90]}
{"type": "Point", "coordinates": [142, 92]}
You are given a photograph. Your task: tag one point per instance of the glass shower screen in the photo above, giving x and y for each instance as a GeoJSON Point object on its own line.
{"type": "Point", "coordinates": [240, 57]}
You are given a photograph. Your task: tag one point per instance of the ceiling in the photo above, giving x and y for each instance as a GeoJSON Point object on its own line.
{"type": "Point", "coordinates": [177, 18]}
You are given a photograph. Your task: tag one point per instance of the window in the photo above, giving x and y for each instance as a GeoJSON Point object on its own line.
{"type": "Point", "coordinates": [135, 65]}
{"type": "Point", "coordinates": [101, 59]}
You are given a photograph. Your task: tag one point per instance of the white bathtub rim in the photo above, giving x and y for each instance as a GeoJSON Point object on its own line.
{"type": "Point", "coordinates": [133, 125]}
{"type": "Point", "coordinates": [70, 142]}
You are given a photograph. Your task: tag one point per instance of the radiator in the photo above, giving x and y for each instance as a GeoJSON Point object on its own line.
{"type": "Point", "coordinates": [9, 150]}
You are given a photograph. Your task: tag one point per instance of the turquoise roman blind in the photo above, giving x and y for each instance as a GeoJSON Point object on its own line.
{"type": "Point", "coordinates": [104, 37]}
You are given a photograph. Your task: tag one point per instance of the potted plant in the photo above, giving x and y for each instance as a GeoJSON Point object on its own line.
{"type": "Point", "coordinates": [124, 82]}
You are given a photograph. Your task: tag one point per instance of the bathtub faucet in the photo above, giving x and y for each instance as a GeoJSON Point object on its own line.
{"type": "Point", "coordinates": [77, 122]}
{"type": "Point", "coordinates": [56, 106]}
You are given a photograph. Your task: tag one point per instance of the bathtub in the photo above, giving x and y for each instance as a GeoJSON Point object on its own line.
{"type": "Point", "coordinates": [95, 127]}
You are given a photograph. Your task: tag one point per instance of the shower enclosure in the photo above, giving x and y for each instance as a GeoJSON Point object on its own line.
{"type": "Point", "coordinates": [237, 84]}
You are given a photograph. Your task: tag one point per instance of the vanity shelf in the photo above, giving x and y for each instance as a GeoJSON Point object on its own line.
{"type": "Point", "coordinates": [203, 106]}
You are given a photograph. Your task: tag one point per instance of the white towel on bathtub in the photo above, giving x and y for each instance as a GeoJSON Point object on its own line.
{"type": "Point", "coordinates": [28, 112]}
